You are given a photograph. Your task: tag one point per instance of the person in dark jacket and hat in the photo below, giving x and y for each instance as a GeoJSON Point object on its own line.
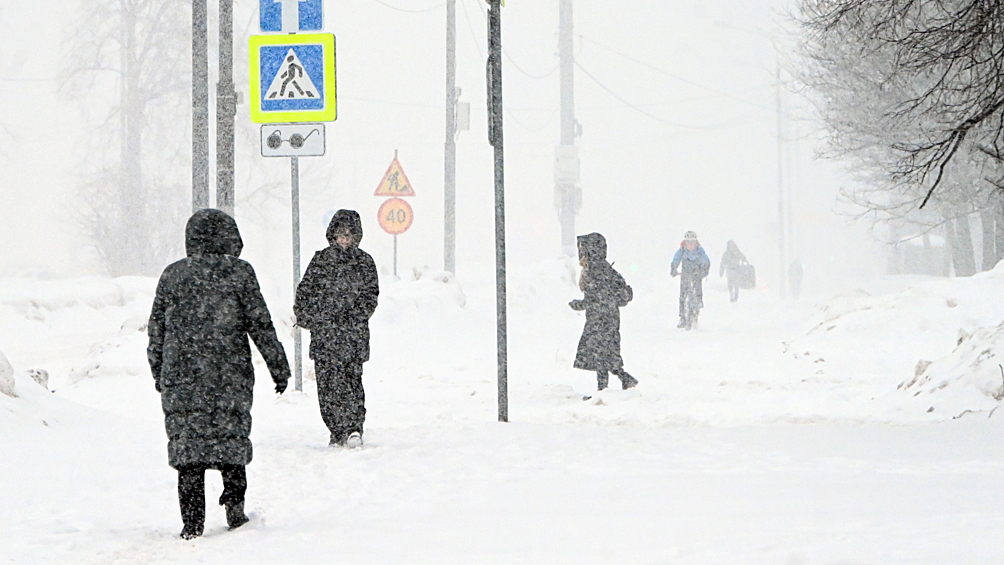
{"type": "Point", "coordinates": [604, 293]}
{"type": "Point", "coordinates": [206, 306]}
{"type": "Point", "coordinates": [334, 301]}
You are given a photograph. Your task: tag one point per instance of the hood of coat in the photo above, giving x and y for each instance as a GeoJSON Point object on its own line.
{"type": "Point", "coordinates": [592, 246]}
{"type": "Point", "coordinates": [731, 247]}
{"type": "Point", "coordinates": [212, 232]}
{"type": "Point", "coordinates": [345, 218]}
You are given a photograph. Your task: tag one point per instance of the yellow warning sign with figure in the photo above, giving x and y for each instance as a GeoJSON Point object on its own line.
{"type": "Point", "coordinates": [395, 182]}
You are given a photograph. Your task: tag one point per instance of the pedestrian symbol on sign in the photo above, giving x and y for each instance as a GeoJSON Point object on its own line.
{"type": "Point", "coordinates": [291, 82]}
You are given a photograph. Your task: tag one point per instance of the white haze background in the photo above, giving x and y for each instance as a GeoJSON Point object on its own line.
{"type": "Point", "coordinates": [789, 433]}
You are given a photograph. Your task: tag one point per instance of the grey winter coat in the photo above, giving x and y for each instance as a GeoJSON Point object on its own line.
{"type": "Point", "coordinates": [206, 306]}
{"type": "Point", "coordinates": [604, 293]}
{"type": "Point", "coordinates": [338, 295]}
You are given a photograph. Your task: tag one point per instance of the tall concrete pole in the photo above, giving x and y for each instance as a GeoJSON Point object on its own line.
{"type": "Point", "coordinates": [200, 106]}
{"type": "Point", "coordinates": [450, 159]}
{"type": "Point", "coordinates": [495, 138]}
{"type": "Point", "coordinates": [226, 110]}
{"type": "Point", "coordinates": [566, 189]}
{"type": "Point", "coordinates": [781, 266]}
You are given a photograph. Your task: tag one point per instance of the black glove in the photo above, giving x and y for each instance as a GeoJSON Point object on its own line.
{"type": "Point", "coordinates": [674, 273]}
{"type": "Point", "coordinates": [280, 387]}
{"type": "Point", "coordinates": [156, 385]}
{"type": "Point", "coordinates": [577, 305]}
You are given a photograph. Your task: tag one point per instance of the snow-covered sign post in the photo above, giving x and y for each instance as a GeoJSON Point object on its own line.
{"type": "Point", "coordinates": [395, 215]}
{"type": "Point", "coordinates": [292, 87]}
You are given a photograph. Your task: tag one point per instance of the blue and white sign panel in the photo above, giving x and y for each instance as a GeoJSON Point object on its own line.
{"type": "Point", "coordinates": [292, 78]}
{"type": "Point", "coordinates": [291, 16]}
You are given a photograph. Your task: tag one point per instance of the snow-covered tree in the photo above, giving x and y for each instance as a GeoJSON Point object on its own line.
{"type": "Point", "coordinates": [129, 68]}
{"type": "Point", "coordinates": [912, 95]}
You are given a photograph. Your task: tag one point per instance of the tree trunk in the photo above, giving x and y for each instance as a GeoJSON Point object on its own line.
{"type": "Point", "coordinates": [998, 229]}
{"type": "Point", "coordinates": [963, 256]}
{"type": "Point", "coordinates": [988, 226]}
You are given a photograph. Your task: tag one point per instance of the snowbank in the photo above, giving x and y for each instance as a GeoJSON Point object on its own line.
{"type": "Point", "coordinates": [887, 342]}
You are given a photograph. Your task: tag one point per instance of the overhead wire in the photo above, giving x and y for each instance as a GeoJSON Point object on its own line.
{"type": "Point", "coordinates": [392, 7]}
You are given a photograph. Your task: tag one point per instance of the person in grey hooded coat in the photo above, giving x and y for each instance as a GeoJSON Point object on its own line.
{"type": "Point", "coordinates": [604, 293]}
{"type": "Point", "coordinates": [334, 301]}
{"type": "Point", "coordinates": [206, 306]}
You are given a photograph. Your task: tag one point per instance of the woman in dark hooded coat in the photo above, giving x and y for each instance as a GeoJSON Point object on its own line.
{"type": "Point", "coordinates": [334, 301]}
{"type": "Point", "coordinates": [206, 306]}
{"type": "Point", "coordinates": [605, 292]}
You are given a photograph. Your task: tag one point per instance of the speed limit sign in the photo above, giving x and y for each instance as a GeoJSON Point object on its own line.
{"type": "Point", "coordinates": [395, 216]}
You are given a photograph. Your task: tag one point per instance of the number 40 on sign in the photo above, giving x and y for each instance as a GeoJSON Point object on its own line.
{"type": "Point", "coordinates": [395, 216]}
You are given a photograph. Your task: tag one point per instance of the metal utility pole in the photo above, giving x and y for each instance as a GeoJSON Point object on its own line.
{"type": "Point", "coordinates": [781, 267]}
{"type": "Point", "coordinates": [450, 180]}
{"type": "Point", "coordinates": [495, 138]}
{"type": "Point", "coordinates": [200, 106]}
{"type": "Point", "coordinates": [226, 110]}
{"type": "Point", "coordinates": [566, 158]}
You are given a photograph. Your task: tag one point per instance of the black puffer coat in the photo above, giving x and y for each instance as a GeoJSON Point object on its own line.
{"type": "Point", "coordinates": [604, 292]}
{"type": "Point", "coordinates": [205, 308]}
{"type": "Point", "coordinates": [338, 295]}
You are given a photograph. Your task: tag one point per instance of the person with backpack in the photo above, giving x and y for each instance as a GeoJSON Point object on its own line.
{"type": "Point", "coordinates": [604, 293]}
{"type": "Point", "coordinates": [693, 264]}
{"type": "Point", "coordinates": [732, 259]}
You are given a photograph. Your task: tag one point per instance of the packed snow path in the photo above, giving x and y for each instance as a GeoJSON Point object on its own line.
{"type": "Point", "coordinates": [731, 450]}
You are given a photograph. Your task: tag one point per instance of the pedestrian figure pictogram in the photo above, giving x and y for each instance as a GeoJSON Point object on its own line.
{"type": "Point", "coordinates": [291, 82]}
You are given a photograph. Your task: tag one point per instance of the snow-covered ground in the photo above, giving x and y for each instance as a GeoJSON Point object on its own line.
{"type": "Point", "coordinates": [855, 429]}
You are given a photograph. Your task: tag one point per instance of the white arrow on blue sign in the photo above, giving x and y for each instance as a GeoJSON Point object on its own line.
{"type": "Point", "coordinates": [291, 16]}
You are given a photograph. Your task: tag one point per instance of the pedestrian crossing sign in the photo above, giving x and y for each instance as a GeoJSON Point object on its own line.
{"type": "Point", "coordinates": [292, 78]}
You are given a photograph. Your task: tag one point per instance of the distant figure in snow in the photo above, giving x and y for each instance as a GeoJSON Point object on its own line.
{"type": "Point", "coordinates": [206, 306]}
{"type": "Point", "coordinates": [731, 260]}
{"type": "Point", "coordinates": [605, 292]}
{"type": "Point", "coordinates": [694, 264]}
{"type": "Point", "coordinates": [334, 301]}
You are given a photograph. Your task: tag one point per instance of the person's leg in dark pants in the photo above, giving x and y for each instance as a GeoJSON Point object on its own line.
{"type": "Point", "coordinates": [192, 499]}
{"type": "Point", "coordinates": [341, 397]}
{"type": "Point", "coordinates": [602, 379]}
{"type": "Point", "coordinates": [235, 485]}
{"type": "Point", "coordinates": [327, 393]}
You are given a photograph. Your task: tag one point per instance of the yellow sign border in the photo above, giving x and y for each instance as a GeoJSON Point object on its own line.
{"type": "Point", "coordinates": [330, 111]}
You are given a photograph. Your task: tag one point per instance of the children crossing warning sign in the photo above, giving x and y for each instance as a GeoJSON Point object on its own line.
{"type": "Point", "coordinates": [292, 78]}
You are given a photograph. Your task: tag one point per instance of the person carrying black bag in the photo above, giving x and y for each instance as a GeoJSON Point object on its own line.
{"type": "Point", "coordinates": [334, 301]}
{"type": "Point", "coordinates": [206, 307]}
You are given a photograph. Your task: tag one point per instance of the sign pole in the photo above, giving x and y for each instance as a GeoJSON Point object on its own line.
{"type": "Point", "coordinates": [395, 256]}
{"type": "Point", "coordinates": [297, 343]}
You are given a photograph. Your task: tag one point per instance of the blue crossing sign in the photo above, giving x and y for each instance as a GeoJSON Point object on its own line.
{"type": "Point", "coordinates": [292, 78]}
{"type": "Point", "coordinates": [291, 16]}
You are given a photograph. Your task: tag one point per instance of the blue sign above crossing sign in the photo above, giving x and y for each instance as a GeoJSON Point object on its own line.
{"type": "Point", "coordinates": [291, 16]}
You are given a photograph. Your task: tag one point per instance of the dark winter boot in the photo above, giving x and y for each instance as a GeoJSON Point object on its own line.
{"type": "Point", "coordinates": [337, 440]}
{"type": "Point", "coordinates": [682, 324]}
{"type": "Point", "coordinates": [354, 440]}
{"type": "Point", "coordinates": [191, 532]}
{"type": "Point", "coordinates": [235, 515]}
{"type": "Point", "coordinates": [627, 381]}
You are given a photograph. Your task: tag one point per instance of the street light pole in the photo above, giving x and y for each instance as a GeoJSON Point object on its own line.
{"type": "Point", "coordinates": [495, 138]}
{"type": "Point", "coordinates": [200, 106]}
{"type": "Point", "coordinates": [450, 180]}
